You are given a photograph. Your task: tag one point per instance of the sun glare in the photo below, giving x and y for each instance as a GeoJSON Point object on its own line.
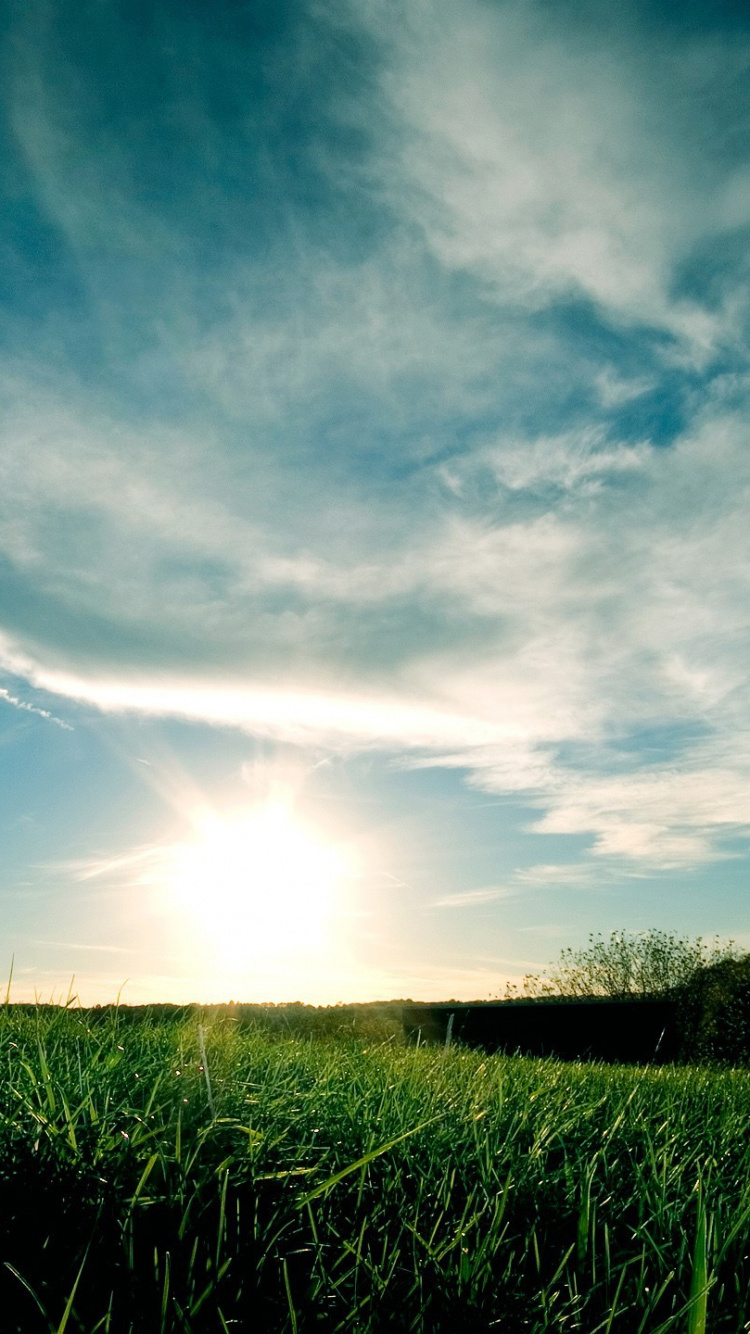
{"type": "Point", "coordinates": [258, 886]}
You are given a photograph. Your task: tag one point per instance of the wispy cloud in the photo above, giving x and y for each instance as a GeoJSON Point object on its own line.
{"type": "Point", "coordinates": [551, 874]}
{"type": "Point", "coordinates": [473, 898]}
{"type": "Point", "coordinates": [548, 166]}
{"type": "Point", "coordinates": [84, 945]}
{"type": "Point", "coordinates": [140, 862]}
{"type": "Point", "coordinates": [26, 707]}
{"type": "Point", "coordinates": [461, 477]}
{"type": "Point", "coordinates": [593, 628]}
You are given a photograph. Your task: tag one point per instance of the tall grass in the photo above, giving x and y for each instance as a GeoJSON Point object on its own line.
{"type": "Point", "coordinates": [154, 1177]}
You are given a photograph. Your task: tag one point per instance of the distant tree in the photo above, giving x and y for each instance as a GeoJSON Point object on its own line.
{"type": "Point", "coordinates": [644, 963]}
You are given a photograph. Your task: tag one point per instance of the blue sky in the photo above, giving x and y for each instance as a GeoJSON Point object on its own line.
{"type": "Point", "coordinates": [373, 453]}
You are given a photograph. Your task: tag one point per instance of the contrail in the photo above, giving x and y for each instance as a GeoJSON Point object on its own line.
{"type": "Point", "coordinates": [32, 708]}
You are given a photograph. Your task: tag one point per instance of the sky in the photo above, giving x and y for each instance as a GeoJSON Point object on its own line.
{"type": "Point", "coordinates": [374, 481]}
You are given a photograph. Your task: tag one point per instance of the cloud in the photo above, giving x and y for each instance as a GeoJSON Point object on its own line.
{"type": "Point", "coordinates": [615, 390]}
{"type": "Point", "coordinates": [582, 458]}
{"type": "Point", "coordinates": [81, 945]}
{"type": "Point", "coordinates": [473, 898]}
{"type": "Point", "coordinates": [604, 614]}
{"type": "Point", "coordinates": [131, 867]}
{"type": "Point", "coordinates": [546, 161]}
{"type": "Point", "coordinates": [545, 873]}
{"type": "Point", "coordinates": [24, 705]}
{"type": "Point", "coordinates": [372, 451]}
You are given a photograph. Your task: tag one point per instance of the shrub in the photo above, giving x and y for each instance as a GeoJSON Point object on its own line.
{"type": "Point", "coordinates": [644, 963]}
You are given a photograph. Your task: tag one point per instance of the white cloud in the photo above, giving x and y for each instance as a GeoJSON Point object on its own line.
{"type": "Point", "coordinates": [25, 707]}
{"type": "Point", "coordinates": [620, 609]}
{"type": "Point", "coordinates": [473, 898]}
{"type": "Point", "coordinates": [547, 162]}
{"type": "Point", "coordinates": [615, 390]}
{"type": "Point", "coordinates": [576, 459]}
{"type": "Point", "coordinates": [623, 610]}
{"type": "Point", "coordinates": [341, 546]}
{"type": "Point", "coordinates": [569, 873]}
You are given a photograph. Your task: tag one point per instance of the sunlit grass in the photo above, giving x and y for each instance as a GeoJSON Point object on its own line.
{"type": "Point", "coordinates": [359, 1184]}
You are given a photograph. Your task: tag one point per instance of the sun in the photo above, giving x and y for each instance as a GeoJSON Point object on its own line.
{"type": "Point", "coordinates": [257, 886]}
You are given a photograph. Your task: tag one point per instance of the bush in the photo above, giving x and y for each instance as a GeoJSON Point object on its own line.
{"type": "Point", "coordinates": [714, 1013]}
{"type": "Point", "coordinates": [644, 963]}
{"type": "Point", "coordinates": [708, 983]}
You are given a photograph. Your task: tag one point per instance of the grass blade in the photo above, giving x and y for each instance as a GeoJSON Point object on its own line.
{"type": "Point", "coordinates": [332, 1181]}
{"type": "Point", "coordinates": [699, 1283]}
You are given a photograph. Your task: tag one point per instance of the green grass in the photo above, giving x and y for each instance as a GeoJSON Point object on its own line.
{"type": "Point", "coordinates": [358, 1184]}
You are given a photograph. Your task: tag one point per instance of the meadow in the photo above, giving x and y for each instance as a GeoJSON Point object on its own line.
{"type": "Point", "coordinates": [195, 1172]}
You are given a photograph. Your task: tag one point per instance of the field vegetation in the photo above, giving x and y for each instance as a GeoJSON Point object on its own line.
{"type": "Point", "coordinates": [172, 1171]}
{"type": "Point", "coordinates": [631, 963]}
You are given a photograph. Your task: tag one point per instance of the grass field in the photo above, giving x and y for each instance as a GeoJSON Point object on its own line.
{"type": "Point", "coordinates": [164, 1174]}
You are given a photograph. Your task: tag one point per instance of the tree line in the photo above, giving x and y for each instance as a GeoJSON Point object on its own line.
{"type": "Point", "coordinates": [708, 981]}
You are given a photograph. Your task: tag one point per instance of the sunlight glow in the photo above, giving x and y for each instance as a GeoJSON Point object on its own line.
{"type": "Point", "coordinates": [258, 886]}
